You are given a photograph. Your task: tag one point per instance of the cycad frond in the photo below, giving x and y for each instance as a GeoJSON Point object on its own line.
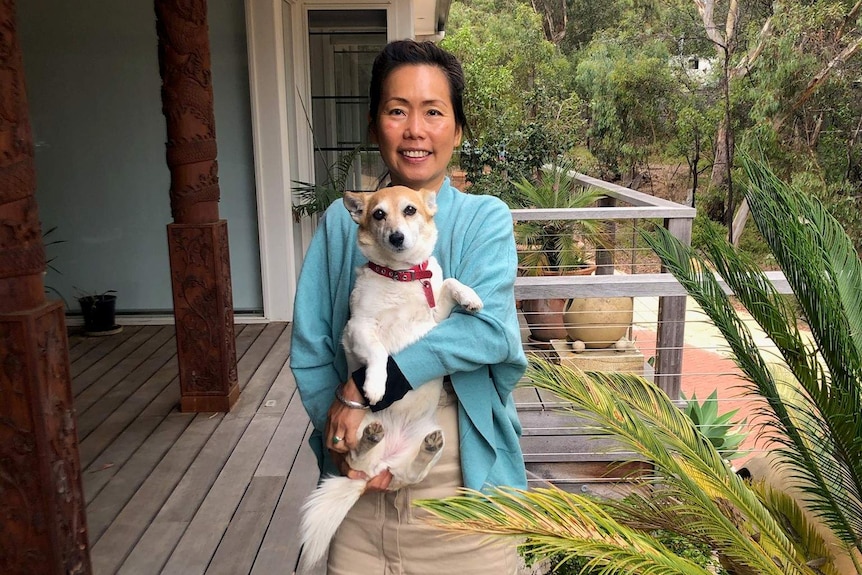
{"type": "Point", "coordinates": [313, 198]}
{"type": "Point", "coordinates": [820, 263]}
{"type": "Point", "coordinates": [641, 416]}
{"type": "Point", "coordinates": [803, 533]}
{"type": "Point", "coordinates": [820, 428]}
{"type": "Point", "coordinates": [560, 523]}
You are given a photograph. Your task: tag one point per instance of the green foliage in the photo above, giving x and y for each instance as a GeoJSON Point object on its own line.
{"type": "Point", "coordinates": [810, 407]}
{"type": "Point", "coordinates": [722, 432]}
{"type": "Point", "coordinates": [705, 228]}
{"type": "Point", "coordinates": [555, 246]}
{"type": "Point", "coordinates": [521, 112]}
{"type": "Point", "coordinates": [818, 428]}
{"type": "Point", "coordinates": [630, 92]}
{"type": "Point", "coordinates": [310, 199]}
{"type": "Point", "coordinates": [691, 549]}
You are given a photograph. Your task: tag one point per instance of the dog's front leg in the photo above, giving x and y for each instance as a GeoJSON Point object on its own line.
{"type": "Point", "coordinates": [360, 337]}
{"type": "Point", "coordinates": [452, 293]}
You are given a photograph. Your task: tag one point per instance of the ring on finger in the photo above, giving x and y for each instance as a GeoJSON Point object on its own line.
{"type": "Point", "coordinates": [336, 440]}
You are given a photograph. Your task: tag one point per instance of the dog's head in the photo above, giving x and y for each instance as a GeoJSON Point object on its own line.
{"type": "Point", "coordinates": [396, 224]}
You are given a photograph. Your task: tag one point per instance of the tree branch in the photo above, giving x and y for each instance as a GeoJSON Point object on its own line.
{"type": "Point", "coordinates": [816, 82]}
{"type": "Point", "coordinates": [744, 65]}
{"type": "Point", "coordinates": [849, 20]}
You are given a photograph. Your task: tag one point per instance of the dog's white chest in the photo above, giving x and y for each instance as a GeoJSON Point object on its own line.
{"type": "Point", "coordinates": [398, 311]}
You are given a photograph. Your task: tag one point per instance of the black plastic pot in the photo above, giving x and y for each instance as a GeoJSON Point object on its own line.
{"type": "Point", "coordinates": [99, 313]}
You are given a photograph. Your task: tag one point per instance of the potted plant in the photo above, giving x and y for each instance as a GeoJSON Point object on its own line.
{"type": "Point", "coordinates": [99, 311]}
{"type": "Point", "coordinates": [311, 198]}
{"type": "Point", "coordinates": [554, 247]}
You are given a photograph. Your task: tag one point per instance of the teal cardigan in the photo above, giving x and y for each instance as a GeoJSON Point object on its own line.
{"type": "Point", "coordinates": [481, 352]}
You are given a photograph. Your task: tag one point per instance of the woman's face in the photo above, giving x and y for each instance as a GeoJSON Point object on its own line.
{"type": "Point", "coordinates": [415, 126]}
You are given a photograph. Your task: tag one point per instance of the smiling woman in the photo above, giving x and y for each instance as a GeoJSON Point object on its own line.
{"type": "Point", "coordinates": [416, 117]}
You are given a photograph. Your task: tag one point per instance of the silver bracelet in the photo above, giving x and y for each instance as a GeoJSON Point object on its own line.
{"type": "Point", "coordinates": [349, 402]}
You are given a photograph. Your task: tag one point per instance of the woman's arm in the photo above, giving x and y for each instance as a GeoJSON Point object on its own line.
{"type": "Point", "coordinates": [320, 312]}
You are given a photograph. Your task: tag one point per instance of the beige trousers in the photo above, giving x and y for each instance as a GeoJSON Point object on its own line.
{"type": "Point", "coordinates": [384, 535]}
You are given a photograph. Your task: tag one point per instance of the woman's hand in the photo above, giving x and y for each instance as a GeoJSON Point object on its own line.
{"type": "Point", "coordinates": [379, 482]}
{"type": "Point", "coordinates": [342, 422]}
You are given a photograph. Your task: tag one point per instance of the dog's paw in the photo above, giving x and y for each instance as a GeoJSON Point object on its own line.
{"type": "Point", "coordinates": [373, 432]}
{"type": "Point", "coordinates": [468, 299]}
{"type": "Point", "coordinates": [433, 442]}
{"type": "Point", "coordinates": [375, 384]}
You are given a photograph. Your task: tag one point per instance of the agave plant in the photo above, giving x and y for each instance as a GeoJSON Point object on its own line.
{"type": "Point", "coordinates": [725, 434]}
{"type": "Point", "coordinates": [814, 420]}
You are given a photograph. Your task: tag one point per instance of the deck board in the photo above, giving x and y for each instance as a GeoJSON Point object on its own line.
{"type": "Point", "coordinates": [132, 370]}
{"type": "Point", "coordinates": [279, 551]}
{"type": "Point", "coordinates": [198, 544]}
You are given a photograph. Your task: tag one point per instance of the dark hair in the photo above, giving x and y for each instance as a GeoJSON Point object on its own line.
{"type": "Point", "coordinates": [410, 52]}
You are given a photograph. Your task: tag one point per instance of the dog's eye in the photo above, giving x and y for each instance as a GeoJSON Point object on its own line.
{"type": "Point", "coordinates": [409, 210]}
{"type": "Point", "coordinates": [379, 214]}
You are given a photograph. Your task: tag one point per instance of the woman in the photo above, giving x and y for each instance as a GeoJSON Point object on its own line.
{"type": "Point", "coordinates": [416, 117]}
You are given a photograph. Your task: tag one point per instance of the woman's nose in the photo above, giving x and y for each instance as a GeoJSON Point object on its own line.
{"type": "Point", "coordinates": [415, 127]}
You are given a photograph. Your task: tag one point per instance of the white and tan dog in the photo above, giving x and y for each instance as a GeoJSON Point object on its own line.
{"type": "Point", "coordinates": [398, 297]}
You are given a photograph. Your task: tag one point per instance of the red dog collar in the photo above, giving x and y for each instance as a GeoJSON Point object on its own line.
{"type": "Point", "coordinates": [420, 273]}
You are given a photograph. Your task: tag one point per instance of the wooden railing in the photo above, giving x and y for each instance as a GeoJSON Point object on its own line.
{"type": "Point", "coordinates": [622, 203]}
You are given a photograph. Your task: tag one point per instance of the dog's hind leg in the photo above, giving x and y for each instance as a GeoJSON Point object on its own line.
{"type": "Point", "coordinates": [365, 456]}
{"type": "Point", "coordinates": [429, 452]}
{"type": "Point", "coordinates": [371, 436]}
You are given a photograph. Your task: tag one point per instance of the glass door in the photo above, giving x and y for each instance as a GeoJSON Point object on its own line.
{"type": "Point", "coordinates": [343, 44]}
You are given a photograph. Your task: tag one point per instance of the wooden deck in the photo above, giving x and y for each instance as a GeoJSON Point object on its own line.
{"type": "Point", "coordinates": [171, 492]}
{"type": "Point", "coordinates": [182, 493]}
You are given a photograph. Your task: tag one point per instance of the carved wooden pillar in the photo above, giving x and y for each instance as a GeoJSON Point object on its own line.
{"type": "Point", "coordinates": [197, 239]}
{"type": "Point", "coordinates": [42, 523]}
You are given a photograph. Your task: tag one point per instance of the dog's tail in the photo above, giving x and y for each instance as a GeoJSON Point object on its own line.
{"type": "Point", "coordinates": [323, 512]}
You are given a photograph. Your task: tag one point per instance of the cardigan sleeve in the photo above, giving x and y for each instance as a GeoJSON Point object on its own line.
{"type": "Point", "coordinates": [320, 312]}
{"type": "Point", "coordinates": [481, 255]}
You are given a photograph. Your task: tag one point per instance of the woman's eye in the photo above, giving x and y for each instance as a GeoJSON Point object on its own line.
{"type": "Point", "coordinates": [396, 112]}
{"type": "Point", "coordinates": [378, 214]}
{"type": "Point", "coordinates": [409, 210]}
{"type": "Point", "coordinates": [435, 113]}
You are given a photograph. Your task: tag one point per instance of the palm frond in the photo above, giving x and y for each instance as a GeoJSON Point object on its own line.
{"type": "Point", "coordinates": [819, 261]}
{"type": "Point", "coordinates": [314, 198]}
{"type": "Point", "coordinates": [643, 419]}
{"type": "Point", "coordinates": [804, 534]}
{"type": "Point", "coordinates": [559, 523]}
{"type": "Point", "coordinates": [829, 408]}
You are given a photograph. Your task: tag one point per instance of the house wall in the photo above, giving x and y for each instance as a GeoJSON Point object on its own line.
{"type": "Point", "coordinates": [95, 106]}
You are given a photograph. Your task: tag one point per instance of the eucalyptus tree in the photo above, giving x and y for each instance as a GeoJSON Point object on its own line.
{"type": "Point", "coordinates": [519, 106]}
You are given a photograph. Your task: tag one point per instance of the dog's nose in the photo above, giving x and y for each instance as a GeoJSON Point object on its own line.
{"type": "Point", "coordinates": [396, 239]}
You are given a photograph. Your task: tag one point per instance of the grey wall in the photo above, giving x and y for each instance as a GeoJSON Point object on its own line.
{"type": "Point", "coordinates": [94, 94]}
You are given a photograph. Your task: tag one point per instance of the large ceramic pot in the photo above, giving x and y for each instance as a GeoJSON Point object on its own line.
{"type": "Point", "coordinates": [599, 322]}
{"type": "Point", "coordinates": [545, 316]}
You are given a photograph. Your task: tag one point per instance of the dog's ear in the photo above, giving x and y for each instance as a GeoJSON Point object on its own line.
{"type": "Point", "coordinates": [355, 204]}
{"type": "Point", "coordinates": [430, 198]}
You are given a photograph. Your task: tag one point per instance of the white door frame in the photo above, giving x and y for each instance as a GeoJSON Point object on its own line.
{"type": "Point", "coordinates": [279, 75]}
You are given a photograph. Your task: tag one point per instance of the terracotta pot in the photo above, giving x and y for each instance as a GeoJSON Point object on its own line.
{"type": "Point", "coordinates": [545, 316]}
{"type": "Point", "coordinates": [599, 322]}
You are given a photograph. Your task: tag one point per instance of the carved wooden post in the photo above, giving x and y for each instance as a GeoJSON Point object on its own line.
{"type": "Point", "coordinates": [43, 527]}
{"type": "Point", "coordinates": [197, 239]}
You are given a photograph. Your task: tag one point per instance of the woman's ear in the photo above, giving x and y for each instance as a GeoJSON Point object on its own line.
{"type": "Point", "coordinates": [458, 133]}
